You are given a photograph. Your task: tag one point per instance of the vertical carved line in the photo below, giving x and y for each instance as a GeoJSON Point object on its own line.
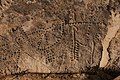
{"type": "Point", "coordinates": [74, 42]}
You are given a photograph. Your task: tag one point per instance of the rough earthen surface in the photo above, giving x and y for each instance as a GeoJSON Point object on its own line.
{"type": "Point", "coordinates": [59, 39]}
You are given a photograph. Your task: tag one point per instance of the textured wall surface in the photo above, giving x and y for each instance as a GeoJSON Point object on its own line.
{"type": "Point", "coordinates": [59, 39]}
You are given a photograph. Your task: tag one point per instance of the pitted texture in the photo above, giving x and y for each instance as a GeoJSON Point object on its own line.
{"type": "Point", "coordinates": [52, 36]}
